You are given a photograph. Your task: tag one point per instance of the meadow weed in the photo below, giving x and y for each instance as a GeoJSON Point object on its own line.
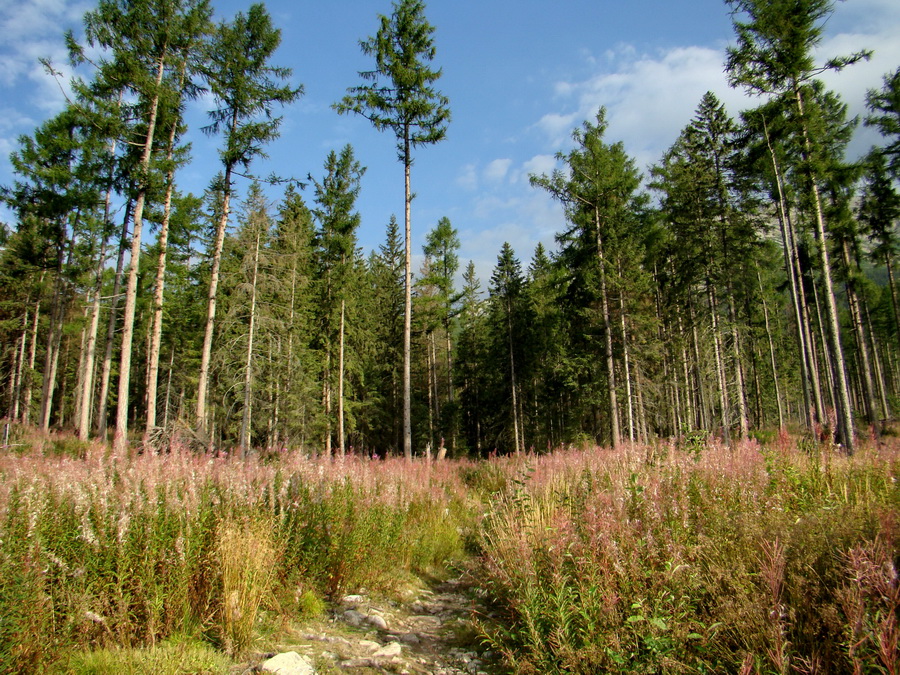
{"type": "Point", "coordinates": [667, 558]}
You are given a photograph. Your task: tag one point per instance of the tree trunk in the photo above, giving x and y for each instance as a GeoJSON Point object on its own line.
{"type": "Point", "coordinates": [845, 413]}
{"type": "Point", "coordinates": [450, 393]}
{"type": "Point", "coordinates": [738, 366]}
{"type": "Point", "coordinates": [434, 383]}
{"type": "Point", "coordinates": [865, 364]}
{"type": "Point", "coordinates": [808, 371]}
{"type": "Point", "coordinates": [248, 362]}
{"type": "Point", "coordinates": [720, 363]}
{"type": "Point", "coordinates": [87, 383]}
{"type": "Point", "coordinates": [159, 286]}
{"type": "Point", "coordinates": [51, 359]}
{"type": "Point", "coordinates": [342, 443]}
{"type": "Point", "coordinates": [702, 400]}
{"type": "Point", "coordinates": [32, 357]}
{"type": "Point", "coordinates": [607, 329]}
{"type": "Point", "coordinates": [169, 388]}
{"type": "Point", "coordinates": [103, 397]}
{"type": "Point", "coordinates": [429, 373]}
{"type": "Point", "coordinates": [120, 438]}
{"type": "Point", "coordinates": [772, 352]}
{"type": "Point", "coordinates": [512, 371]}
{"type": "Point", "coordinates": [407, 315]}
{"type": "Point", "coordinates": [629, 407]}
{"type": "Point", "coordinates": [326, 400]}
{"type": "Point", "coordinates": [18, 370]}
{"type": "Point", "coordinates": [82, 358]}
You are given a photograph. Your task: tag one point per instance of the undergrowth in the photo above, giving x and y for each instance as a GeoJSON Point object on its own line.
{"type": "Point", "coordinates": [681, 558]}
{"type": "Point", "coordinates": [726, 560]}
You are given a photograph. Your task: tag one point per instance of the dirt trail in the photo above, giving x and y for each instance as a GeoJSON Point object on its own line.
{"type": "Point", "coordinates": [429, 631]}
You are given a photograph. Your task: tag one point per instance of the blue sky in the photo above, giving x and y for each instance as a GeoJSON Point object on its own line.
{"type": "Point", "coordinates": [520, 75]}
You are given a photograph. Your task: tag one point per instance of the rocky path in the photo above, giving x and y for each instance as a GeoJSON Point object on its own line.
{"type": "Point", "coordinates": [429, 631]}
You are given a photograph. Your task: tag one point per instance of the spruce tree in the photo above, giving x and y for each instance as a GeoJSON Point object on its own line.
{"type": "Point", "coordinates": [400, 96]}
{"type": "Point", "coordinates": [336, 254]}
{"type": "Point", "coordinates": [598, 193]}
{"type": "Point", "coordinates": [246, 89]}
{"type": "Point", "coordinates": [774, 56]}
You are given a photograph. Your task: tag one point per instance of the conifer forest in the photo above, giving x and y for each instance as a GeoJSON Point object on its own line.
{"type": "Point", "coordinates": [743, 284]}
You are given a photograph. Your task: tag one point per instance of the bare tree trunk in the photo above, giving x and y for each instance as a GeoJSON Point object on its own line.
{"type": "Point", "coordinates": [61, 414]}
{"type": "Point", "coordinates": [703, 401]}
{"type": "Point", "coordinates": [106, 373]}
{"type": "Point", "coordinates": [512, 370]}
{"type": "Point", "coordinates": [629, 407]}
{"type": "Point", "coordinates": [429, 375]}
{"type": "Point", "coordinates": [642, 413]}
{"type": "Point", "coordinates": [879, 369]}
{"type": "Point", "coordinates": [326, 400]}
{"type": "Point", "coordinates": [51, 360]}
{"type": "Point", "coordinates": [826, 356]}
{"type": "Point", "coordinates": [865, 364]}
{"type": "Point", "coordinates": [82, 358]}
{"type": "Point", "coordinates": [206, 354]}
{"type": "Point", "coordinates": [670, 389]}
{"type": "Point", "coordinates": [407, 316]}
{"type": "Point", "coordinates": [607, 329]}
{"type": "Point", "coordinates": [772, 352]}
{"type": "Point", "coordinates": [845, 413]}
{"type": "Point", "coordinates": [168, 389]}
{"type": "Point", "coordinates": [120, 437]}
{"type": "Point", "coordinates": [888, 263]}
{"type": "Point", "coordinates": [248, 363]}
{"type": "Point", "coordinates": [450, 393]}
{"type": "Point", "coordinates": [159, 286]}
{"type": "Point", "coordinates": [342, 443]}
{"type": "Point", "coordinates": [32, 357]}
{"type": "Point", "coordinates": [434, 383]}
{"type": "Point", "coordinates": [738, 366]}
{"type": "Point", "coordinates": [690, 415]}
{"type": "Point", "coordinates": [87, 388]}
{"type": "Point", "coordinates": [808, 370]}
{"type": "Point", "coordinates": [15, 388]}
{"type": "Point", "coordinates": [720, 364]}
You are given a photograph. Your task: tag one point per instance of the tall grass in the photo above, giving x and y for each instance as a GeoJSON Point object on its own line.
{"type": "Point", "coordinates": [663, 558]}
{"type": "Point", "coordinates": [101, 551]}
{"type": "Point", "coordinates": [655, 560]}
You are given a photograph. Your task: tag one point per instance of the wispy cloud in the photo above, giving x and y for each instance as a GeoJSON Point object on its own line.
{"type": "Point", "coordinates": [650, 97]}
{"type": "Point", "coordinates": [497, 169]}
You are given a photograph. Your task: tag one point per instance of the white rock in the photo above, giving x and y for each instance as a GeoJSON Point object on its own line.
{"type": "Point", "coordinates": [352, 599]}
{"type": "Point", "coordinates": [377, 621]}
{"type": "Point", "coordinates": [391, 649]}
{"type": "Point", "coordinates": [353, 617]}
{"type": "Point", "coordinates": [368, 645]}
{"type": "Point", "coordinates": [288, 663]}
{"type": "Point", "coordinates": [410, 638]}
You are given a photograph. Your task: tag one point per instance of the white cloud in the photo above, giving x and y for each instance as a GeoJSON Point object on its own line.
{"type": "Point", "coordinates": [468, 177]}
{"type": "Point", "coordinates": [538, 165]}
{"type": "Point", "coordinates": [497, 169]}
{"type": "Point", "coordinates": [650, 97]}
{"type": "Point", "coordinates": [558, 126]}
{"type": "Point", "coordinates": [33, 30]}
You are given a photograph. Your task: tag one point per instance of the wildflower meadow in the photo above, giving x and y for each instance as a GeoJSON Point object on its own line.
{"type": "Point", "coordinates": [660, 558]}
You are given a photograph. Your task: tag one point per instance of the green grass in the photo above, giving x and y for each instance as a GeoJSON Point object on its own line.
{"type": "Point", "coordinates": [665, 559]}
{"type": "Point", "coordinates": [173, 657]}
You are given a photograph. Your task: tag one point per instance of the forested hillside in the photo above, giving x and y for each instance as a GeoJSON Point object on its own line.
{"type": "Point", "coordinates": [744, 283]}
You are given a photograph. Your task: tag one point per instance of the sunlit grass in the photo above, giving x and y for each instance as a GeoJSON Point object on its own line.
{"type": "Point", "coordinates": [670, 557]}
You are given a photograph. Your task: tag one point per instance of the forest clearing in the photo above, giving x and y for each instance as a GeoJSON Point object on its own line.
{"type": "Point", "coordinates": [234, 442]}
{"type": "Point", "coordinates": [672, 557]}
